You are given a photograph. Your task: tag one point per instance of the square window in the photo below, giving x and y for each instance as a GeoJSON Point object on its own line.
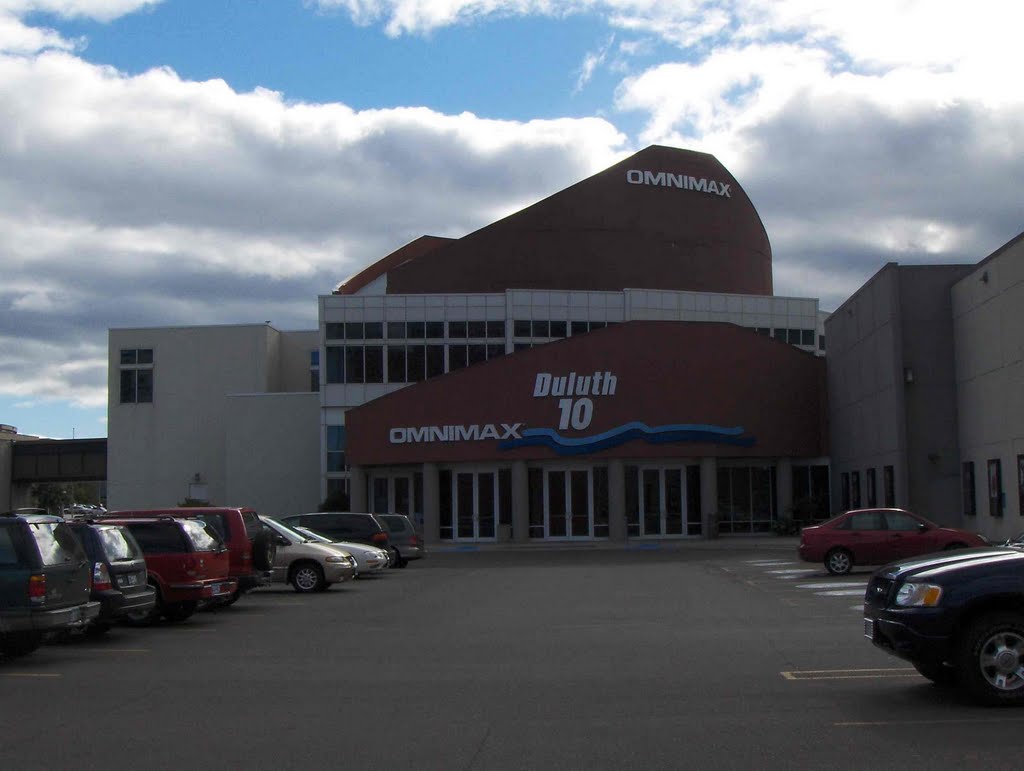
{"type": "Point", "coordinates": [417, 362]}
{"type": "Point", "coordinates": [417, 330]}
{"type": "Point", "coordinates": [477, 328]}
{"type": "Point", "coordinates": [129, 356]}
{"type": "Point", "coordinates": [396, 364]}
{"type": "Point", "coordinates": [373, 330]}
{"type": "Point", "coordinates": [806, 337]}
{"type": "Point", "coordinates": [145, 355]}
{"type": "Point", "coordinates": [558, 329]}
{"type": "Point", "coordinates": [494, 350]}
{"type": "Point", "coordinates": [495, 328]}
{"type": "Point", "coordinates": [396, 330]}
{"type": "Point", "coordinates": [435, 330]}
{"type": "Point", "coordinates": [521, 328]}
{"type": "Point", "coordinates": [456, 357]}
{"type": "Point", "coordinates": [435, 360]}
{"type": "Point", "coordinates": [354, 330]}
{"type": "Point", "coordinates": [335, 364]}
{"type": "Point", "coordinates": [335, 331]}
{"type": "Point", "coordinates": [477, 353]}
{"type": "Point", "coordinates": [541, 329]}
{"type": "Point", "coordinates": [457, 329]}
{"type": "Point", "coordinates": [579, 327]}
{"type": "Point", "coordinates": [374, 364]}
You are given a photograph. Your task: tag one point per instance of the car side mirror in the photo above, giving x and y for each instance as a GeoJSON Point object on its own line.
{"type": "Point", "coordinates": [922, 527]}
{"type": "Point", "coordinates": [280, 540]}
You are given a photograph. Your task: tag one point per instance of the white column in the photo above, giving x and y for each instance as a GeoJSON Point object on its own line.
{"type": "Point", "coordinates": [709, 496]}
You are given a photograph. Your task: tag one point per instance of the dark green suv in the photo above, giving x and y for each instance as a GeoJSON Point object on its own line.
{"type": "Point", "coordinates": [44, 581]}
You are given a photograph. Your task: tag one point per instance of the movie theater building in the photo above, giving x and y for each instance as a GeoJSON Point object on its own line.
{"type": "Point", "coordinates": [608, 363]}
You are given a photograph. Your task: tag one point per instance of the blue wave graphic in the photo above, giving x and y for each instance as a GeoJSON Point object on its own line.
{"type": "Point", "coordinates": [684, 432]}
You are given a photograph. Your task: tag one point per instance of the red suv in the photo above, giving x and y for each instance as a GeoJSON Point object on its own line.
{"type": "Point", "coordinates": [251, 548]}
{"type": "Point", "coordinates": [187, 563]}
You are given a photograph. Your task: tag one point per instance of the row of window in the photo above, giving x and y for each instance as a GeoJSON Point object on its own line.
{"type": "Point", "coordinates": [850, 481]}
{"type": "Point", "coordinates": [994, 487]}
{"type": "Point", "coordinates": [403, 363]}
{"type": "Point", "coordinates": [456, 330]}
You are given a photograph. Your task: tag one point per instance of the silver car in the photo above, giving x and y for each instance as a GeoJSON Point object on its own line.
{"type": "Point", "coordinates": [369, 559]}
{"type": "Point", "coordinates": [307, 565]}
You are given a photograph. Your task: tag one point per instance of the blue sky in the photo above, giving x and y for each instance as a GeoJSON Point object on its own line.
{"type": "Point", "coordinates": [182, 162]}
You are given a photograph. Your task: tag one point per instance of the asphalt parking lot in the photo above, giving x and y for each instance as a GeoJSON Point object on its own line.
{"type": "Point", "coordinates": [734, 655]}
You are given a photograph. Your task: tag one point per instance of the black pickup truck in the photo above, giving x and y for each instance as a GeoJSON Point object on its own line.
{"type": "Point", "coordinates": [958, 617]}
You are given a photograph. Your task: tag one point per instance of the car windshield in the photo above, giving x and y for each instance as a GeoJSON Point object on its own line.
{"type": "Point", "coordinates": [118, 544]}
{"type": "Point", "coordinates": [284, 530]}
{"type": "Point", "coordinates": [313, 535]}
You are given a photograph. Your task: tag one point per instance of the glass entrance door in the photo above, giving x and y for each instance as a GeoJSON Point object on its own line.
{"type": "Point", "coordinates": [568, 506]}
{"type": "Point", "coordinates": [662, 498]}
{"type": "Point", "coordinates": [393, 495]}
{"type": "Point", "coordinates": [474, 504]}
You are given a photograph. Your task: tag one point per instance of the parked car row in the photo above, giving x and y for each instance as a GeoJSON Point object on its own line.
{"type": "Point", "coordinates": [90, 572]}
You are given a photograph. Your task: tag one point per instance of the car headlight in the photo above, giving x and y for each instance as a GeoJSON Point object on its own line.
{"type": "Point", "coordinates": [339, 559]}
{"type": "Point", "coordinates": [919, 595]}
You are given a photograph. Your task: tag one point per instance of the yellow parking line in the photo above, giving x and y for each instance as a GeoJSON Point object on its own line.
{"type": "Point", "coordinates": [848, 674]}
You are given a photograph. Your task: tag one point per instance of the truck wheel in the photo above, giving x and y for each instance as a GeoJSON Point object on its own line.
{"type": "Point", "coordinates": [179, 611]}
{"type": "Point", "coordinates": [991, 658]}
{"type": "Point", "coordinates": [939, 674]}
{"type": "Point", "coordinates": [14, 644]}
{"type": "Point", "coordinates": [839, 562]}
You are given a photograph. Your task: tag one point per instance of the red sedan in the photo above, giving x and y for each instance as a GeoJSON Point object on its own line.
{"type": "Point", "coordinates": [878, 536]}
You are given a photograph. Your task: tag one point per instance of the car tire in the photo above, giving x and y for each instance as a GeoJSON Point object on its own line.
{"type": "Point", "coordinates": [839, 562]}
{"type": "Point", "coordinates": [307, 577]}
{"type": "Point", "coordinates": [146, 617]}
{"type": "Point", "coordinates": [264, 550]}
{"type": "Point", "coordinates": [176, 612]}
{"type": "Point", "coordinates": [13, 644]}
{"type": "Point", "coordinates": [991, 658]}
{"type": "Point", "coordinates": [939, 674]}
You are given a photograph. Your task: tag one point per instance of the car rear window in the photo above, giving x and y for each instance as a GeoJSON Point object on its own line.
{"type": "Point", "coordinates": [117, 543]}
{"type": "Point", "coordinates": [57, 544]}
{"type": "Point", "coordinates": [159, 537]}
{"type": "Point", "coordinates": [253, 524]}
{"type": "Point", "coordinates": [203, 537]}
{"type": "Point", "coordinates": [8, 553]}
{"type": "Point", "coordinates": [219, 522]}
{"type": "Point", "coordinates": [395, 524]}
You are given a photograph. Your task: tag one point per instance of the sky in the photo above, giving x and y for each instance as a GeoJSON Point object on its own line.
{"type": "Point", "coordinates": [185, 162]}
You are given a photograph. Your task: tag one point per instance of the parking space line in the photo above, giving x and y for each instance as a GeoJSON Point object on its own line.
{"type": "Point", "coordinates": [842, 593]}
{"type": "Point", "coordinates": [849, 674]}
{"type": "Point", "coordinates": [950, 721]}
{"type": "Point", "coordinates": [30, 674]}
{"type": "Point", "coordinates": [793, 572]}
{"type": "Point", "coordinates": [833, 585]}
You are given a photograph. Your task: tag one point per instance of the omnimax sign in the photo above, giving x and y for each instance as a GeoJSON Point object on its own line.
{"type": "Point", "coordinates": [682, 181]}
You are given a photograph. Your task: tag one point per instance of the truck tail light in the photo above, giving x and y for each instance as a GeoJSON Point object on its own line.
{"type": "Point", "coordinates": [37, 589]}
{"type": "Point", "coordinates": [101, 577]}
{"type": "Point", "coordinates": [381, 539]}
{"type": "Point", "coordinates": [190, 564]}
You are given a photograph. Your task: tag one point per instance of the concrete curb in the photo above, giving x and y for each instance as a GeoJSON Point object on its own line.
{"type": "Point", "coordinates": [772, 543]}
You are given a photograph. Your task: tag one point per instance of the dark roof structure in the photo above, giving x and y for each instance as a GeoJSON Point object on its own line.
{"type": "Point", "coordinates": [663, 218]}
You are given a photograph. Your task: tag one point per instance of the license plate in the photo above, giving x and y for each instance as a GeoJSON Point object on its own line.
{"type": "Point", "coordinates": [130, 580]}
{"type": "Point", "coordinates": [220, 589]}
{"type": "Point", "coordinates": [869, 628]}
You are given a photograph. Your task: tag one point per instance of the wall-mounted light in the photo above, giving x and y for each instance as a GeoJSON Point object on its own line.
{"type": "Point", "coordinates": [908, 375]}
{"type": "Point", "coordinates": [984, 277]}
